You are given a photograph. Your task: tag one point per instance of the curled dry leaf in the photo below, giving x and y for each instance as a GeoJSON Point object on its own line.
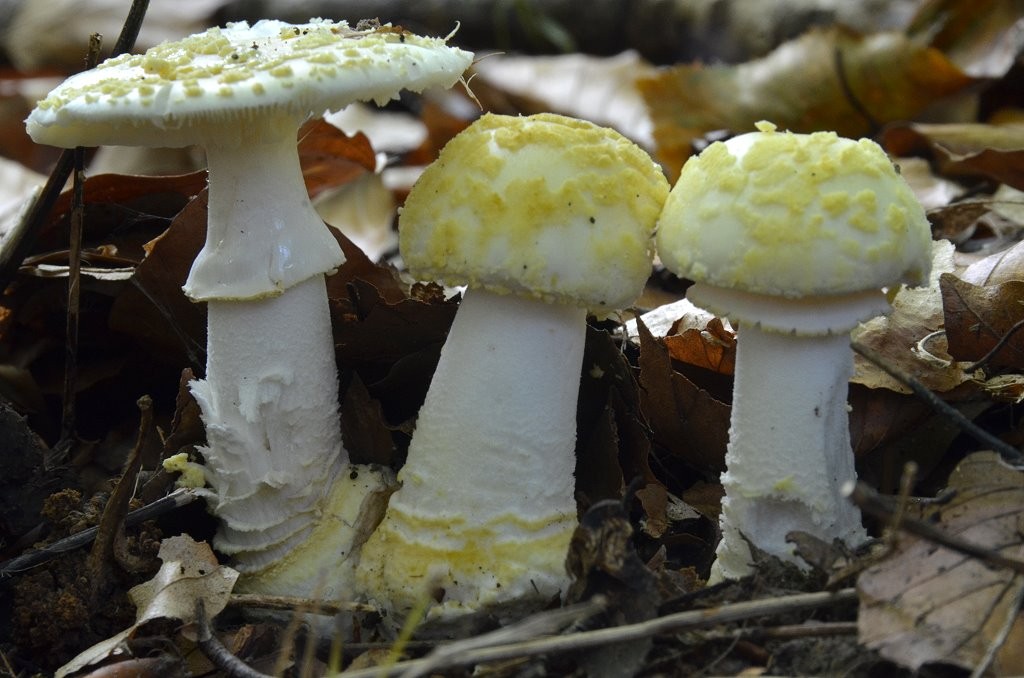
{"type": "Point", "coordinates": [907, 336]}
{"type": "Point", "coordinates": [685, 419]}
{"type": "Point", "coordinates": [189, 573]}
{"type": "Point", "coordinates": [996, 268]}
{"type": "Point", "coordinates": [982, 37]}
{"type": "Point", "coordinates": [926, 603]}
{"type": "Point", "coordinates": [713, 348]}
{"type": "Point", "coordinates": [330, 158]}
{"type": "Point", "coordinates": [966, 150]}
{"type": "Point", "coordinates": [977, 318]}
{"type": "Point", "coordinates": [827, 79]}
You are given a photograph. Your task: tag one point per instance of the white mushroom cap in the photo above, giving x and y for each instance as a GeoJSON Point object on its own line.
{"type": "Point", "coordinates": [543, 206]}
{"type": "Point", "coordinates": [204, 88]}
{"type": "Point", "coordinates": [794, 215]}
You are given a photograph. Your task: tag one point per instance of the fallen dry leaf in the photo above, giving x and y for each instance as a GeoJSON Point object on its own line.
{"type": "Point", "coordinates": [189, 573]}
{"type": "Point", "coordinates": [900, 337]}
{"type": "Point", "coordinates": [330, 158]}
{"type": "Point", "coordinates": [827, 79]}
{"type": "Point", "coordinates": [713, 348]}
{"type": "Point", "coordinates": [685, 419]}
{"type": "Point", "coordinates": [965, 150]}
{"type": "Point", "coordinates": [977, 318]}
{"type": "Point", "coordinates": [982, 37]}
{"type": "Point", "coordinates": [999, 267]}
{"type": "Point", "coordinates": [926, 603]}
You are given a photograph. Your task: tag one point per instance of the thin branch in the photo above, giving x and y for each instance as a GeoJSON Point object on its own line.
{"type": "Point", "coordinates": [132, 25]}
{"type": "Point", "coordinates": [875, 505]}
{"type": "Point", "coordinates": [1000, 638]}
{"type": "Point", "coordinates": [1009, 453]}
{"type": "Point", "coordinates": [847, 89]}
{"type": "Point", "coordinates": [327, 608]}
{"type": "Point", "coordinates": [219, 655]}
{"type": "Point", "coordinates": [690, 619]}
{"type": "Point", "coordinates": [176, 499]}
{"type": "Point", "coordinates": [787, 632]}
{"type": "Point", "coordinates": [1003, 340]}
{"type": "Point", "coordinates": [62, 449]}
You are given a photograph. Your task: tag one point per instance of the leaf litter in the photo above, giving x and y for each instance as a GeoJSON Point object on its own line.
{"type": "Point", "coordinates": [654, 406]}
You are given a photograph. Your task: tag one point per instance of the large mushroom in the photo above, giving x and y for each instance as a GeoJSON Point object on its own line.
{"type": "Point", "coordinates": [542, 217]}
{"type": "Point", "coordinates": [793, 237]}
{"type": "Point", "coordinates": [274, 459]}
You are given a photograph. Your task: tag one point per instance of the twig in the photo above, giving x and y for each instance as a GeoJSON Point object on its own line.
{"type": "Point", "coordinates": [219, 655]}
{"type": "Point", "coordinates": [690, 619]}
{"type": "Point", "coordinates": [1003, 340]}
{"type": "Point", "coordinates": [178, 498]}
{"type": "Point", "coordinates": [1000, 639]}
{"type": "Point", "coordinates": [1009, 453]}
{"type": "Point", "coordinates": [290, 604]}
{"type": "Point", "coordinates": [59, 452]}
{"type": "Point", "coordinates": [538, 625]}
{"type": "Point", "coordinates": [787, 632]}
{"type": "Point", "coordinates": [131, 27]}
{"type": "Point", "coordinates": [851, 98]}
{"type": "Point", "coordinates": [874, 504]}
{"type": "Point", "coordinates": [101, 557]}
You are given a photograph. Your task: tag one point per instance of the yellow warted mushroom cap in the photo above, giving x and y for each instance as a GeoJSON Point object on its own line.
{"type": "Point", "coordinates": [794, 215]}
{"type": "Point", "coordinates": [543, 206]}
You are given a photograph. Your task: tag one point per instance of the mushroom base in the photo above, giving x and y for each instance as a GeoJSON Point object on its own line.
{"type": "Point", "coordinates": [322, 567]}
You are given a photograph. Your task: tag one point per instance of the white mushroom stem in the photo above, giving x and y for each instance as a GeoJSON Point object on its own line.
{"type": "Point", "coordinates": [270, 405]}
{"type": "Point", "coordinates": [270, 397]}
{"type": "Point", "coordinates": [486, 508]}
{"type": "Point", "coordinates": [789, 439]}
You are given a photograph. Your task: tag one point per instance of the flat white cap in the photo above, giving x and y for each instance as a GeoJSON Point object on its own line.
{"type": "Point", "coordinates": [542, 206]}
{"type": "Point", "coordinates": [204, 88]}
{"type": "Point", "coordinates": [794, 215]}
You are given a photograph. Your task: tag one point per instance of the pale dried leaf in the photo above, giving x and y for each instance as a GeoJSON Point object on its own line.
{"type": "Point", "coordinates": [189, 573]}
{"type": "Point", "coordinates": [600, 89]}
{"type": "Point", "coordinates": [917, 312]}
{"type": "Point", "coordinates": [927, 603]}
{"type": "Point", "coordinates": [55, 33]}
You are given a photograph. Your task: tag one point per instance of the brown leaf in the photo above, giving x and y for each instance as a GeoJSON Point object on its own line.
{"type": "Point", "coordinates": [364, 430]}
{"type": "Point", "coordinates": [1000, 267]}
{"type": "Point", "coordinates": [927, 603]}
{"type": "Point", "coordinates": [713, 349]}
{"type": "Point", "coordinates": [965, 150]}
{"type": "Point", "coordinates": [154, 309]}
{"type": "Point", "coordinates": [684, 419]}
{"type": "Point", "coordinates": [909, 336]}
{"type": "Point", "coordinates": [801, 86]}
{"type": "Point", "coordinates": [978, 317]}
{"type": "Point", "coordinates": [980, 36]}
{"type": "Point", "coordinates": [330, 158]}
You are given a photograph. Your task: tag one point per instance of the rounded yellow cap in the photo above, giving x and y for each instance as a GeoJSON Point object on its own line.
{"type": "Point", "coordinates": [794, 215]}
{"type": "Point", "coordinates": [543, 206]}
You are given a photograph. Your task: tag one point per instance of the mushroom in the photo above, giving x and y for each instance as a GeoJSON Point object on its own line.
{"type": "Point", "coordinates": [275, 458]}
{"type": "Point", "coordinates": [794, 237]}
{"type": "Point", "coordinates": [542, 217]}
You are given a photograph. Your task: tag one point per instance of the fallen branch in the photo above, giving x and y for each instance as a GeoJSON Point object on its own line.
{"type": "Point", "coordinates": [178, 498]}
{"type": "Point", "coordinates": [1009, 453]}
{"type": "Point", "coordinates": [874, 504]}
{"type": "Point", "coordinates": [690, 619]}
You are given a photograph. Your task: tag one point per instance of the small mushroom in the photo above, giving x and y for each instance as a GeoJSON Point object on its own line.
{"type": "Point", "coordinates": [793, 237]}
{"type": "Point", "coordinates": [542, 217]}
{"type": "Point", "coordinates": [275, 458]}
